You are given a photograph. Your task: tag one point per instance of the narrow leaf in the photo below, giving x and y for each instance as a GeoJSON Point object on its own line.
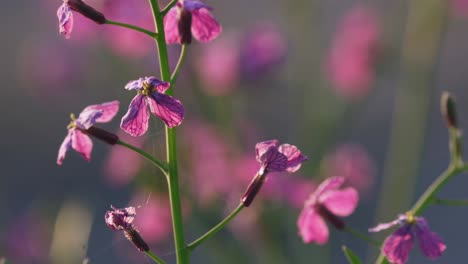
{"type": "Point", "coordinates": [352, 258]}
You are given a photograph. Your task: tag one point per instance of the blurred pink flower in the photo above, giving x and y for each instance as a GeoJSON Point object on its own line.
{"type": "Point", "coordinates": [350, 63]}
{"type": "Point", "coordinates": [122, 165]}
{"type": "Point", "coordinates": [290, 190]}
{"type": "Point", "coordinates": [354, 164]}
{"type": "Point", "coordinates": [459, 7]}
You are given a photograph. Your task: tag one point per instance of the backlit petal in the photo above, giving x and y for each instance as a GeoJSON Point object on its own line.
{"type": "Point", "coordinates": [64, 147]}
{"type": "Point", "coordinates": [340, 202]}
{"type": "Point", "coordinates": [108, 111]}
{"type": "Point", "coordinates": [294, 156]}
{"type": "Point", "coordinates": [398, 245]}
{"type": "Point", "coordinates": [170, 110]}
{"type": "Point", "coordinates": [82, 143]}
{"type": "Point", "coordinates": [262, 147]}
{"type": "Point", "coordinates": [205, 28]}
{"type": "Point", "coordinates": [171, 25]}
{"type": "Point", "coordinates": [135, 121]}
{"type": "Point", "coordinates": [312, 228]}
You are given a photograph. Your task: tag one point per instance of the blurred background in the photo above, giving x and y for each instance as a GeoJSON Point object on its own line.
{"type": "Point", "coordinates": [354, 84]}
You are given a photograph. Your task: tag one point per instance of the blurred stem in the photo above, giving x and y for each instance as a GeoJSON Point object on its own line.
{"type": "Point", "coordinates": [450, 202]}
{"type": "Point", "coordinates": [361, 236]}
{"type": "Point", "coordinates": [171, 143]}
{"type": "Point", "coordinates": [215, 229]}
{"type": "Point", "coordinates": [160, 164]}
{"type": "Point", "coordinates": [154, 257]}
{"type": "Point", "coordinates": [132, 27]}
{"type": "Point", "coordinates": [175, 74]}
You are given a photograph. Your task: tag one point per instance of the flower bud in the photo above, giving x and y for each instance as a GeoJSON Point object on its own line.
{"type": "Point", "coordinates": [253, 189]}
{"type": "Point", "coordinates": [103, 135]}
{"type": "Point", "coordinates": [86, 10]}
{"type": "Point", "coordinates": [447, 105]}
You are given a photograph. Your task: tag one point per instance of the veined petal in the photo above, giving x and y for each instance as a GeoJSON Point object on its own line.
{"type": "Point", "coordinates": [65, 17]}
{"type": "Point", "coordinates": [312, 227]}
{"type": "Point", "coordinates": [171, 25]}
{"type": "Point", "coordinates": [135, 121]}
{"type": "Point", "coordinates": [159, 85]}
{"type": "Point", "coordinates": [88, 118]}
{"type": "Point", "coordinates": [429, 242]}
{"type": "Point", "coordinates": [294, 156]}
{"type": "Point", "coordinates": [262, 147]}
{"type": "Point", "coordinates": [82, 143]}
{"type": "Point", "coordinates": [109, 110]}
{"type": "Point", "coordinates": [398, 245]}
{"type": "Point", "coordinates": [274, 161]}
{"type": "Point", "coordinates": [205, 28]}
{"type": "Point", "coordinates": [170, 110]}
{"type": "Point", "coordinates": [340, 202]}
{"type": "Point", "coordinates": [64, 147]}
{"type": "Point", "coordinates": [135, 85]}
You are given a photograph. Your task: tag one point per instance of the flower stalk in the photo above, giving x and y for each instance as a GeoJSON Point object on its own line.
{"type": "Point", "coordinates": [132, 27]}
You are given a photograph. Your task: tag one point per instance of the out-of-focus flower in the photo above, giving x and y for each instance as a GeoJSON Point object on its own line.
{"type": "Point", "coordinates": [399, 244]}
{"type": "Point", "coordinates": [122, 219]}
{"type": "Point", "coordinates": [459, 7]}
{"type": "Point", "coordinates": [65, 15]}
{"type": "Point", "coordinates": [263, 48]}
{"type": "Point", "coordinates": [350, 63]}
{"type": "Point", "coordinates": [78, 129]}
{"type": "Point", "coordinates": [150, 92]}
{"type": "Point", "coordinates": [354, 164]}
{"type": "Point", "coordinates": [190, 17]}
{"type": "Point", "coordinates": [327, 202]}
{"type": "Point", "coordinates": [290, 190]}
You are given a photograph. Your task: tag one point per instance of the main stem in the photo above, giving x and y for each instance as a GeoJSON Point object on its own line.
{"type": "Point", "coordinates": [171, 144]}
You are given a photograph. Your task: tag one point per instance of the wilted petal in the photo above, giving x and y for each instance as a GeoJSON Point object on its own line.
{"type": "Point", "coordinates": [160, 86]}
{"type": "Point", "coordinates": [65, 17]}
{"type": "Point", "coordinates": [274, 161]}
{"type": "Point", "coordinates": [294, 156]}
{"type": "Point", "coordinates": [66, 145]}
{"type": "Point", "coordinates": [135, 121]}
{"type": "Point", "coordinates": [340, 202]}
{"type": "Point", "coordinates": [312, 227]}
{"type": "Point", "coordinates": [108, 110]}
{"type": "Point", "coordinates": [170, 110]}
{"type": "Point", "coordinates": [120, 219]}
{"type": "Point", "coordinates": [82, 143]}
{"type": "Point", "coordinates": [262, 147]}
{"type": "Point", "coordinates": [205, 28]}
{"type": "Point", "coordinates": [398, 245]}
{"type": "Point", "coordinates": [135, 84]}
{"type": "Point", "coordinates": [430, 243]}
{"type": "Point", "coordinates": [171, 27]}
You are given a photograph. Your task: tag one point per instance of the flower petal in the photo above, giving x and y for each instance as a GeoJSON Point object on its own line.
{"type": "Point", "coordinates": [87, 119]}
{"type": "Point", "coordinates": [135, 84]}
{"type": "Point", "coordinates": [82, 143]}
{"type": "Point", "coordinates": [64, 147]}
{"type": "Point", "coordinates": [340, 202]}
{"type": "Point", "coordinates": [312, 227]}
{"type": "Point", "coordinates": [429, 242]}
{"type": "Point", "coordinates": [262, 147]}
{"type": "Point", "coordinates": [160, 86]}
{"type": "Point", "coordinates": [205, 28]}
{"type": "Point", "coordinates": [120, 219]}
{"type": "Point", "coordinates": [398, 245]}
{"type": "Point", "coordinates": [109, 110]}
{"type": "Point", "coordinates": [135, 121]}
{"type": "Point", "coordinates": [171, 25]}
{"type": "Point", "coordinates": [294, 156]}
{"type": "Point", "coordinates": [331, 183]}
{"type": "Point", "coordinates": [191, 5]}
{"type": "Point", "coordinates": [170, 110]}
{"type": "Point", "coordinates": [383, 226]}
{"type": "Point", "coordinates": [274, 161]}
{"type": "Point", "coordinates": [65, 17]}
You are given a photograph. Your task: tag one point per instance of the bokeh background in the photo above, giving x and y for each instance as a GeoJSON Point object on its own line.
{"type": "Point", "coordinates": [354, 84]}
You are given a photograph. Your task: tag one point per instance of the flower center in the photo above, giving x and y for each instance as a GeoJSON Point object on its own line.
{"type": "Point", "coordinates": [410, 219]}
{"type": "Point", "coordinates": [147, 88]}
{"type": "Point", "coordinates": [72, 122]}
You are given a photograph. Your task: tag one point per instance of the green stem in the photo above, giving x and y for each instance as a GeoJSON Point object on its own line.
{"type": "Point", "coordinates": [175, 74]}
{"type": "Point", "coordinates": [132, 27]}
{"type": "Point", "coordinates": [168, 7]}
{"type": "Point", "coordinates": [450, 202]}
{"type": "Point", "coordinates": [154, 257]}
{"type": "Point", "coordinates": [160, 164]}
{"type": "Point", "coordinates": [215, 229]}
{"type": "Point", "coordinates": [361, 236]}
{"type": "Point", "coordinates": [171, 143]}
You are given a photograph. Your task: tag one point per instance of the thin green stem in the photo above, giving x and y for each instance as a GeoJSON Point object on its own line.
{"type": "Point", "coordinates": [361, 236]}
{"type": "Point", "coordinates": [175, 73]}
{"type": "Point", "coordinates": [215, 229]}
{"type": "Point", "coordinates": [450, 202]}
{"type": "Point", "coordinates": [160, 164]}
{"type": "Point", "coordinates": [154, 257]}
{"type": "Point", "coordinates": [132, 27]}
{"type": "Point", "coordinates": [168, 7]}
{"type": "Point", "coordinates": [182, 255]}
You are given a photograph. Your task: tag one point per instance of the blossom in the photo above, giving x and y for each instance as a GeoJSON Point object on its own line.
{"type": "Point", "coordinates": [399, 244]}
{"type": "Point", "coordinates": [65, 15]}
{"type": "Point", "coordinates": [78, 129]}
{"type": "Point", "coordinates": [327, 202]}
{"type": "Point", "coordinates": [150, 92]}
{"type": "Point", "coordinates": [190, 17]}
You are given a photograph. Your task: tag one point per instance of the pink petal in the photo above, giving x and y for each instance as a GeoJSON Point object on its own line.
{"type": "Point", "coordinates": [331, 183]}
{"type": "Point", "coordinates": [171, 25]}
{"type": "Point", "coordinates": [82, 143]}
{"type": "Point", "coordinates": [312, 228]}
{"type": "Point", "coordinates": [262, 147]}
{"type": "Point", "coordinates": [64, 147]}
{"type": "Point", "coordinates": [274, 161]}
{"type": "Point", "coordinates": [340, 202]}
{"type": "Point", "coordinates": [170, 110]}
{"type": "Point", "coordinates": [135, 121]}
{"type": "Point", "coordinates": [398, 245]}
{"type": "Point", "coordinates": [65, 17]}
{"type": "Point", "coordinates": [430, 243]}
{"type": "Point", "coordinates": [384, 226]}
{"type": "Point", "coordinates": [160, 86]}
{"type": "Point", "coordinates": [205, 28]}
{"type": "Point", "coordinates": [294, 156]}
{"type": "Point", "coordinates": [109, 110]}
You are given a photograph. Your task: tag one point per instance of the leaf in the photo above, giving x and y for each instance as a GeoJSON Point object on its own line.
{"type": "Point", "coordinates": [352, 258]}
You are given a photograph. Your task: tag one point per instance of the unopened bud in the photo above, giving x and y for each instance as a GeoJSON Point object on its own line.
{"type": "Point", "coordinates": [253, 189]}
{"type": "Point", "coordinates": [449, 112]}
{"type": "Point", "coordinates": [103, 135]}
{"type": "Point", "coordinates": [330, 217]}
{"type": "Point", "coordinates": [185, 27]}
{"type": "Point", "coordinates": [135, 237]}
{"type": "Point", "coordinates": [86, 10]}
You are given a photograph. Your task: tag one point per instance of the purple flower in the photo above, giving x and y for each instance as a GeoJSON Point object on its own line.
{"type": "Point", "coordinates": [65, 17]}
{"type": "Point", "coordinates": [190, 17]}
{"type": "Point", "coordinates": [150, 92]}
{"type": "Point", "coordinates": [274, 158]}
{"type": "Point", "coordinates": [77, 137]}
{"type": "Point", "coordinates": [399, 244]}
{"type": "Point", "coordinates": [327, 202]}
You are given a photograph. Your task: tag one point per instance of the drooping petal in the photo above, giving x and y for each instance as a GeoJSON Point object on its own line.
{"type": "Point", "coordinates": [340, 202]}
{"type": "Point", "coordinates": [160, 86]}
{"type": "Point", "coordinates": [398, 245]}
{"type": "Point", "coordinates": [331, 183]}
{"type": "Point", "coordinates": [65, 17]}
{"type": "Point", "coordinates": [82, 143]}
{"type": "Point", "coordinates": [64, 147]}
{"type": "Point", "coordinates": [312, 227]}
{"type": "Point", "coordinates": [170, 110]}
{"type": "Point", "coordinates": [135, 84]}
{"type": "Point", "coordinates": [262, 147]}
{"type": "Point", "coordinates": [108, 110]}
{"type": "Point", "coordinates": [191, 5]}
{"type": "Point", "coordinates": [171, 25]}
{"type": "Point", "coordinates": [429, 242]}
{"type": "Point", "coordinates": [120, 219]}
{"type": "Point", "coordinates": [274, 161]}
{"type": "Point", "coordinates": [135, 121]}
{"type": "Point", "coordinates": [205, 28]}
{"type": "Point", "coordinates": [294, 156]}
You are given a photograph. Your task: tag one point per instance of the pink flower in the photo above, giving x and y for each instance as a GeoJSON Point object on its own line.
{"type": "Point", "coordinates": [459, 7]}
{"type": "Point", "coordinates": [78, 128]}
{"type": "Point", "coordinates": [399, 244]}
{"type": "Point", "coordinates": [65, 15]}
{"type": "Point", "coordinates": [350, 62]}
{"type": "Point", "coordinates": [327, 202]}
{"type": "Point", "coordinates": [150, 92]}
{"type": "Point", "coordinates": [190, 17]}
